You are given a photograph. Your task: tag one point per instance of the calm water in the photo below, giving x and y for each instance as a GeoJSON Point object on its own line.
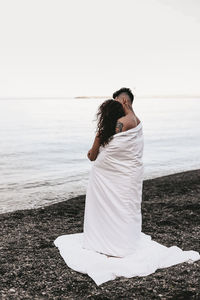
{"type": "Point", "coordinates": [44, 145]}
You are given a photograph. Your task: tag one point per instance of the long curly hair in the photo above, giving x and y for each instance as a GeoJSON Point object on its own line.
{"type": "Point", "coordinates": [107, 115]}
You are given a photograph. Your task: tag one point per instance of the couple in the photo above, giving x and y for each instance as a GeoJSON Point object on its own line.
{"type": "Point", "coordinates": [114, 115]}
{"type": "Point", "coordinates": [112, 222]}
{"type": "Point", "coordinates": [112, 243]}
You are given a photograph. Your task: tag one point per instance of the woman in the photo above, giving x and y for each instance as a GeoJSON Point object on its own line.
{"type": "Point", "coordinates": [109, 112]}
{"type": "Point", "coordinates": [114, 124]}
{"type": "Point", "coordinates": [112, 222]}
{"type": "Point", "coordinates": [112, 218]}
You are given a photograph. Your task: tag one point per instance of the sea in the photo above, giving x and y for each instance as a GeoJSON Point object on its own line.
{"type": "Point", "coordinates": [44, 145]}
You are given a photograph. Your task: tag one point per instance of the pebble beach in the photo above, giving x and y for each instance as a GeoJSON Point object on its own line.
{"type": "Point", "coordinates": [32, 268]}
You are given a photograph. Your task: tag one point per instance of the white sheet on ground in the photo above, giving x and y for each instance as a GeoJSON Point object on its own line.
{"type": "Point", "coordinates": [148, 257]}
{"type": "Point", "coordinates": [113, 220]}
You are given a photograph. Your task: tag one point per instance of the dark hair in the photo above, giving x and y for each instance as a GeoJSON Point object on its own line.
{"type": "Point", "coordinates": [126, 91]}
{"type": "Point", "coordinates": [107, 115]}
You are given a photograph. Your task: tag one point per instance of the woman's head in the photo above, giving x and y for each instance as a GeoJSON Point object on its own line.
{"type": "Point", "coordinates": [107, 115]}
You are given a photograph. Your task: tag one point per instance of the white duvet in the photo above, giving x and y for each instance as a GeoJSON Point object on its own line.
{"type": "Point", "coordinates": [113, 220]}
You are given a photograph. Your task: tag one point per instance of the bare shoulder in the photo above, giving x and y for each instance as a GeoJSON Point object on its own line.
{"type": "Point", "coordinates": [124, 123]}
{"type": "Point", "coordinates": [120, 125]}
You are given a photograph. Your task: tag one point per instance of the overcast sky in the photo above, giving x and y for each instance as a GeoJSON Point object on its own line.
{"type": "Point", "coordinates": [93, 47]}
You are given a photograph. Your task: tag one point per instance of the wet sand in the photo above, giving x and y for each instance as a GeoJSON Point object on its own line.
{"type": "Point", "coordinates": [32, 268]}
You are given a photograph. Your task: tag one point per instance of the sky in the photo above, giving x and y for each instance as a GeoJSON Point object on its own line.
{"type": "Point", "coordinates": [67, 48]}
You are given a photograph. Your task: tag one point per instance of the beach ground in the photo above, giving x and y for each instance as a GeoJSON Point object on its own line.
{"type": "Point", "coordinates": [32, 268]}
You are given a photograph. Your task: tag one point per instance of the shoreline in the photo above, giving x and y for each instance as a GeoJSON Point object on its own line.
{"type": "Point", "coordinates": [32, 268]}
{"type": "Point", "coordinates": [83, 195]}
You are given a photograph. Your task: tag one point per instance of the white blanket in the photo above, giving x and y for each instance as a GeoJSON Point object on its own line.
{"type": "Point", "coordinates": [112, 223]}
{"type": "Point", "coordinates": [113, 220]}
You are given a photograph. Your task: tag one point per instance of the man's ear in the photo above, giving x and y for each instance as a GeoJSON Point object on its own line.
{"type": "Point", "coordinates": [124, 100]}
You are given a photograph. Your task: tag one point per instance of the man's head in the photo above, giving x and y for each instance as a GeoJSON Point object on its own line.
{"type": "Point", "coordinates": [124, 95]}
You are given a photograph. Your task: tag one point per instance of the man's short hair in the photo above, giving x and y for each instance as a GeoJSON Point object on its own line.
{"type": "Point", "coordinates": [126, 91]}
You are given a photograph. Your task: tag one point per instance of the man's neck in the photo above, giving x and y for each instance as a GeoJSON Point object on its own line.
{"type": "Point", "coordinates": [128, 110]}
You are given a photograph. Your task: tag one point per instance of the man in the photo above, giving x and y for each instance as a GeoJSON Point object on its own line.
{"type": "Point", "coordinates": [130, 120]}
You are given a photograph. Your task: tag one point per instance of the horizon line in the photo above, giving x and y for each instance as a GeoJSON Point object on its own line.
{"type": "Point", "coordinates": [101, 97]}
